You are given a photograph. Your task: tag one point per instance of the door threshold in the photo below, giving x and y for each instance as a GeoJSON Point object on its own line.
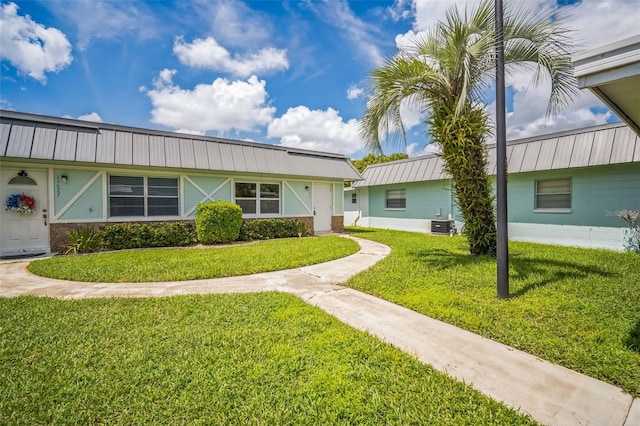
{"type": "Point", "coordinates": [22, 254]}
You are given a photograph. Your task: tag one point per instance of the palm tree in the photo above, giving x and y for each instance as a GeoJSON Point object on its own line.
{"type": "Point", "coordinates": [445, 73]}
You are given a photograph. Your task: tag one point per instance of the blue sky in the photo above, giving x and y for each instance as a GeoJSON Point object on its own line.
{"type": "Point", "coordinates": [282, 72]}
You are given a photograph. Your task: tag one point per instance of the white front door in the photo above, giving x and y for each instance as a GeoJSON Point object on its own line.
{"type": "Point", "coordinates": [23, 232]}
{"type": "Point", "coordinates": [322, 207]}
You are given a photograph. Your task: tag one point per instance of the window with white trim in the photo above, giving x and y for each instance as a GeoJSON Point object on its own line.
{"type": "Point", "coordinates": [354, 198]}
{"type": "Point", "coordinates": [143, 196]}
{"type": "Point", "coordinates": [258, 198]}
{"type": "Point", "coordinates": [553, 194]}
{"type": "Point", "coordinates": [395, 199]}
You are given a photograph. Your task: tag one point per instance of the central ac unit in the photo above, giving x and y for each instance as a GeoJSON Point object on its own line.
{"type": "Point", "coordinates": [441, 227]}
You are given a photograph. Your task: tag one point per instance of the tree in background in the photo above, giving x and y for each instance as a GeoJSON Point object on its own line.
{"type": "Point", "coordinates": [445, 73]}
{"type": "Point", "coordinates": [371, 158]}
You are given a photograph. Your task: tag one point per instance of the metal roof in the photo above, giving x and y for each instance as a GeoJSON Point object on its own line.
{"type": "Point", "coordinates": [59, 139]}
{"type": "Point", "coordinates": [592, 146]}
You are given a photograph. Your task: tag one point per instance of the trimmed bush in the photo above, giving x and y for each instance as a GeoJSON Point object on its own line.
{"type": "Point", "coordinates": [267, 229]}
{"type": "Point", "coordinates": [119, 236]}
{"type": "Point", "coordinates": [218, 222]}
{"type": "Point", "coordinates": [174, 234]}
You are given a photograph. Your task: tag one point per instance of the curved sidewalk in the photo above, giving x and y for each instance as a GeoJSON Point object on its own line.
{"type": "Point", "coordinates": [17, 281]}
{"type": "Point", "coordinates": [551, 394]}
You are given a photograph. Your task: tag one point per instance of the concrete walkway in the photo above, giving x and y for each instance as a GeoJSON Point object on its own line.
{"type": "Point", "coordinates": [551, 394]}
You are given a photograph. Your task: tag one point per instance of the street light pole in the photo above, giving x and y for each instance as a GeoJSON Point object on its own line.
{"type": "Point", "coordinates": [502, 249]}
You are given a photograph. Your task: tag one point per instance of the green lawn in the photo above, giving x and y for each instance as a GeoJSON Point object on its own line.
{"type": "Point", "coordinates": [179, 264]}
{"type": "Point", "coordinates": [577, 307]}
{"type": "Point", "coordinates": [264, 358]}
{"type": "Point", "coordinates": [271, 359]}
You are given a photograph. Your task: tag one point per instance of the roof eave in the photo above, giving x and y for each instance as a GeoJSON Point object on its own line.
{"type": "Point", "coordinates": [612, 73]}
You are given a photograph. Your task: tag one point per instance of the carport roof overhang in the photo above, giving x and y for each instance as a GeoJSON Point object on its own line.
{"type": "Point", "coordinates": [612, 73]}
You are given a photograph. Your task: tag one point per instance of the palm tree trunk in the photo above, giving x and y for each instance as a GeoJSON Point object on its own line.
{"type": "Point", "coordinates": [461, 138]}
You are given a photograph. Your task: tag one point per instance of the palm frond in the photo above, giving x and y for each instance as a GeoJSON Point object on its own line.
{"type": "Point", "coordinates": [537, 38]}
{"type": "Point", "coordinates": [454, 64]}
{"type": "Point", "coordinates": [400, 78]}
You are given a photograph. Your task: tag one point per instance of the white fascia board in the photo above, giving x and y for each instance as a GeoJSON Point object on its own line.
{"type": "Point", "coordinates": [616, 55]}
{"type": "Point", "coordinates": [608, 75]}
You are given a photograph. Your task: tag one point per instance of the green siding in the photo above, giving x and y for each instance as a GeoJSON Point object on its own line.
{"type": "Point", "coordinates": [193, 196]}
{"type": "Point", "coordinates": [88, 206]}
{"type": "Point", "coordinates": [424, 200]}
{"type": "Point", "coordinates": [455, 211]}
{"type": "Point", "coordinates": [597, 194]}
{"type": "Point", "coordinates": [291, 205]}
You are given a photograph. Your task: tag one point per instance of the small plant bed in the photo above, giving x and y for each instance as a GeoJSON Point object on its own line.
{"type": "Point", "coordinates": [266, 359]}
{"type": "Point", "coordinates": [180, 264]}
{"type": "Point", "coordinates": [576, 307]}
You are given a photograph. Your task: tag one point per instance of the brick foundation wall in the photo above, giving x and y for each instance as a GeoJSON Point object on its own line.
{"type": "Point", "coordinates": [59, 232]}
{"type": "Point", "coordinates": [337, 224]}
{"type": "Point", "coordinates": [309, 221]}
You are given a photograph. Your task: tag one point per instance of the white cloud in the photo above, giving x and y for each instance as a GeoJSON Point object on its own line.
{"type": "Point", "coordinates": [165, 77]}
{"type": "Point", "coordinates": [411, 149]}
{"type": "Point", "coordinates": [93, 116]}
{"type": "Point", "coordinates": [428, 12]}
{"type": "Point", "coordinates": [319, 130]}
{"type": "Point", "coordinates": [599, 22]}
{"type": "Point", "coordinates": [339, 15]}
{"type": "Point", "coordinates": [400, 10]}
{"type": "Point", "coordinates": [220, 106]}
{"type": "Point", "coordinates": [105, 19]}
{"type": "Point", "coordinates": [529, 108]}
{"type": "Point", "coordinates": [417, 150]}
{"type": "Point", "coordinates": [191, 132]}
{"type": "Point", "coordinates": [411, 116]}
{"type": "Point", "coordinates": [31, 47]}
{"type": "Point", "coordinates": [410, 113]}
{"type": "Point", "coordinates": [595, 22]}
{"type": "Point", "coordinates": [354, 92]}
{"type": "Point", "coordinates": [4, 104]}
{"type": "Point", "coordinates": [406, 41]}
{"type": "Point", "coordinates": [207, 53]}
{"type": "Point", "coordinates": [232, 23]}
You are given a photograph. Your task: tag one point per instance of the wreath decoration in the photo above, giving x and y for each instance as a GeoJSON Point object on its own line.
{"type": "Point", "coordinates": [20, 203]}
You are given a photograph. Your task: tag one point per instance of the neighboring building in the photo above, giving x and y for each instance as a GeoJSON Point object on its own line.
{"type": "Point", "coordinates": [83, 173]}
{"type": "Point", "coordinates": [564, 188]}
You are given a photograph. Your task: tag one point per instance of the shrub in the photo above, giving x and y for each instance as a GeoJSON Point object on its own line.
{"type": "Point", "coordinates": [267, 229]}
{"type": "Point", "coordinates": [632, 235]}
{"type": "Point", "coordinates": [120, 236]}
{"type": "Point", "coordinates": [218, 222]}
{"type": "Point", "coordinates": [117, 236]}
{"type": "Point", "coordinates": [83, 240]}
{"type": "Point", "coordinates": [174, 234]}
